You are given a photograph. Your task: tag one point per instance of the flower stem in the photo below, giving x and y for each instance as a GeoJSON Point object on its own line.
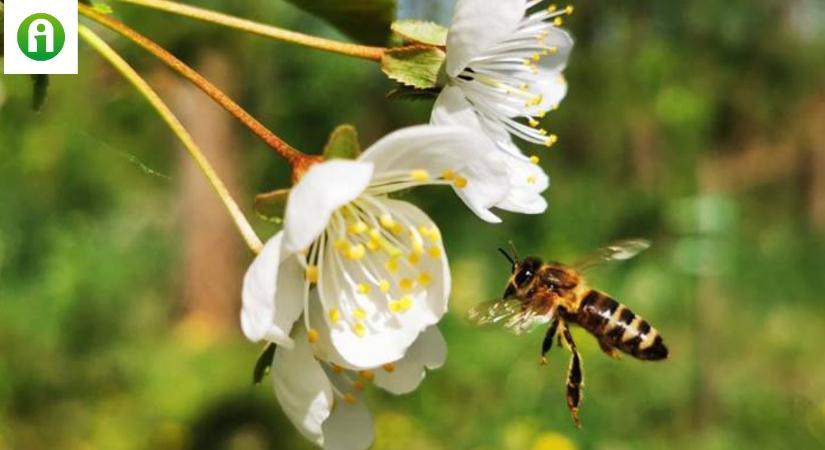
{"type": "Point", "coordinates": [342, 48]}
{"type": "Point", "coordinates": [297, 159]}
{"type": "Point", "coordinates": [252, 241]}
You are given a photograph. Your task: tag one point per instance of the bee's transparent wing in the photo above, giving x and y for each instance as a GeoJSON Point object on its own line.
{"type": "Point", "coordinates": [510, 314]}
{"type": "Point", "coordinates": [617, 251]}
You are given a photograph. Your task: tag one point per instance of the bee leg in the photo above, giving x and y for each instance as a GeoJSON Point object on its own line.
{"type": "Point", "coordinates": [547, 344]}
{"type": "Point", "coordinates": [610, 351]}
{"type": "Point", "coordinates": [575, 379]}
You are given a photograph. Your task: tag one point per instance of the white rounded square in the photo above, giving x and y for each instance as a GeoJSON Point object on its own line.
{"type": "Point", "coordinates": [40, 37]}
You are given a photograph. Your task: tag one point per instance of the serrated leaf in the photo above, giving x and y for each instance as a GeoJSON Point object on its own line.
{"type": "Point", "coordinates": [264, 363]}
{"type": "Point", "coordinates": [40, 90]}
{"type": "Point", "coordinates": [409, 93]}
{"type": "Point", "coordinates": [367, 21]}
{"type": "Point", "coordinates": [420, 31]}
{"type": "Point", "coordinates": [272, 205]}
{"type": "Point", "coordinates": [419, 66]}
{"type": "Point", "coordinates": [343, 143]}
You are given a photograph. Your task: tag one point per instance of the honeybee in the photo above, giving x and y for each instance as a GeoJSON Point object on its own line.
{"type": "Point", "coordinates": [538, 293]}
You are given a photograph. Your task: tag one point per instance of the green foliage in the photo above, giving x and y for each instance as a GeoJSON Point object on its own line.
{"type": "Point", "coordinates": [271, 206]}
{"type": "Point", "coordinates": [264, 363]}
{"type": "Point", "coordinates": [418, 67]}
{"type": "Point", "coordinates": [421, 32]}
{"type": "Point", "coordinates": [343, 143]}
{"type": "Point", "coordinates": [365, 20]}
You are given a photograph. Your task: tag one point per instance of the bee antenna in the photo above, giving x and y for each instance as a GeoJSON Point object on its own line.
{"type": "Point", "coordinates": [507, 255]}
{"type": "Point", "coordinates": [513, 249]}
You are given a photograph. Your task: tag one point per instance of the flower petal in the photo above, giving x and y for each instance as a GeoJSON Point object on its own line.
{"type": "Point", "coordinates": [441, 149]}
{"type": "Point", "coordinates": [428, 352]}
{"type": "Point", "coordinates": [562, 44]}
{"type": "Point", "coordinates": [377, 306]}
{"type": "Point", "coordinates": [477, 25]}
{"type": "Point", "coordinates": [552, 87]}
{"type": "Point", "coordinates": [349, 427]}
{"type": "Point", "coordinates": [324, 188]}
{"type": "Point", "coordinates": [270, 290]}
{"type": "Point", "coordinates": [302, 388]}
{"type": "Point", "coordinates": [528, 182]}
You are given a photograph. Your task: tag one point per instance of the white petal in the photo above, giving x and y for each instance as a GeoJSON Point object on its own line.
{"type": "Point", "coordinates": [324, 188]}
{"type": "Point", "coordinates": [349, 427]}
{"type": "Point", "coordinates": [428, 352]}
{"type": "Point", "coordinates": [528, 182]}
{"type": "Point", "coordinates": [452, 108]}
{"type": "Point", "coordinates": [271, 289]}
{"type": "Point", "coordinates": [302, 388]}
{"type": "Point", "coordinates": [478, 25]}
{"type": "Point", "coordinates": [437, 149]}
{"type": "Point", "coordinates": [553, 88]}
{"type": "Point", "coordinates": [561, 41]}
{"type": "Point", "coordinates": [387, 331]}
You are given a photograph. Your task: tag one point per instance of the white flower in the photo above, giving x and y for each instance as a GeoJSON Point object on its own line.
{"type": "Point", "coordinates": [323, 399]}
{"type": "Point", "coordinates": [377, 264]}
{"type": "Point", "coordinates": [507, 64]}
{"type": "Point", "coordinates": [504, 68]}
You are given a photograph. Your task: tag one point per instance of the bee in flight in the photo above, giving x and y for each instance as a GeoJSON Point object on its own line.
{"type": "Point", "coordinates": [539, 292]}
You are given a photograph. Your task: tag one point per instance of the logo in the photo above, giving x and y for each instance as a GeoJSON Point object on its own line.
{"type": "Point", "coordinates": [41, 37]}
{"type": "Point", "coordinates": [46, 36]}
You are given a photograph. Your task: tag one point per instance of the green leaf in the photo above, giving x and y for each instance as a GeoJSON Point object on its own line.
{"type": "Point", "coordinates": [419, 66]}
{"type": "Point", "coordinates": [408, 93]}
{"type": "Point", "coordinates": [343, 143]}
{"type": "Point", "coordinates": [264, 363]}
{"type": "Point", "coordinates": [40, 90]}
{"type": "Point", "coordinates": [364, 20]}
{"type": "Point", "coordinates": [271, 206]}
{"type": "Point", "coordinates": [420, 31]}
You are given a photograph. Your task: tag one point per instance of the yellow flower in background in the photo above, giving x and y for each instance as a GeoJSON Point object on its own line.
{"type": "Point", "coordinates": [553, 441]}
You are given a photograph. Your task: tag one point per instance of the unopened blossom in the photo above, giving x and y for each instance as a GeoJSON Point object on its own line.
{"type": "Point", "coordinates": [323, 398]}
{"type": "Point", "coordinates": [504, 73]}
{"type": "Point", "coordinates": [378, 264]}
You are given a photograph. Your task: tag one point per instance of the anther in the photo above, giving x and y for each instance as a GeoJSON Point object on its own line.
{"type": "Point", "coordinates": [349, 398]}
{"type": "Point", "coordinates": [363, 288]}
{"type": "Point", "coordinates": [460, 182]}
{"type": "Point", "coordinates": [448, 175]}
{"type": "Point", "coordinates": [357, 228]}
{"type": "Point", "coordinates": [406, 284]}
{"type": "Point", "coordinates": [360, 314]}
{"type": "Point", "coordinates": [312, 274]}
{"type": "Point", "coordinates": [424, 279]}
{"type": "Point", "coordinates": [391, 265]}
{"type": "Point", "coordinates": [420, 175]}
{"type": "Point", "coordinates": [312, 336]}
{"type": "Point", "coordinates": [384, 286]}
{"type": "Point", "coordinates": [334, 315]}
{"type": "Point", "coordinates": [367, 375]}
{"type": "Point", "coordinates": [387, 221]}
{"type": "Point", "coordinates": [535, 159]}
{"type": "Point", "coordinates": [389, 367]}
{"type": "Point", "coordinates": [356, 252]}
{"type": "Point", "coordinates": [359, 329]}
{"type": "Point", "coordinates": [552, 139]}
{"type": "Point", "coordinates": [435, 252]}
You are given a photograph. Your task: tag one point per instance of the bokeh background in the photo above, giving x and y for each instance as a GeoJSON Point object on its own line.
{"type": "Point", "coordinates": [699, 125]}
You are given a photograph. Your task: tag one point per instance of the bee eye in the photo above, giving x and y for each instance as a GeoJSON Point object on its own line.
{"type": "Point", "coordinates": [524, 276]}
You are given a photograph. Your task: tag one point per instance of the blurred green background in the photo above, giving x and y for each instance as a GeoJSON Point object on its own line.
{"type": "Point", "coordinates": [699, 125]}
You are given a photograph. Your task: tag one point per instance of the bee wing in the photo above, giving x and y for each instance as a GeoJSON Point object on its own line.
{"type": "Point", "coordinates": [617, 251]}
{"type": "Point", "coordinates": [510, 314]}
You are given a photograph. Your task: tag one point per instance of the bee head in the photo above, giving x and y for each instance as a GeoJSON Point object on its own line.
{"type": "Point", "coordinates": [522, 271]}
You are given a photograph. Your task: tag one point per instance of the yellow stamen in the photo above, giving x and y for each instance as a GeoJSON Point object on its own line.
{"type": "Point", "coordinates": [531, 179]}
{"type": "Point", "coordinates": [364, 288]}
{"type": "Point", "coordinates": [552, 7]}
{"type": "Point", "coordinates": [435, 252]}
{"type": "Point", "coordinates": [313, 336]}
{"type": "Point", "coordinates": [373, 244]}
{"type": "Point", "coordinates": [424, 279]}
{"type": "Point", "coordinates": [391, 265]}
{"type": "Point", "coordinates": [533, 122]}
{"type": "Point", "coordinates": [460, 182]}
{"type": "Point", "coordinates": [535, 159]}
{"type": "Point", "coordinates": [334, 315]}
{"type": "Point", "coordinates": [342, 245]}
{"type": "Point", "coordinates": [397, 229]}
{"type": "Point", "coordinates": [356, 252]}
{"type": "Point", "coordinates": [387, 221]}
{"type": "Point", "coordinates": [360, 314]}
{"type": "Point", "coordinates": [357, 228]}
{"type": "Point", "coordinates": [551, 140]}
{"type": "Point", "coordinates": [558, 21]}
{"type": "Point", "coordinates": [389, 367]}
{"type": "Point", "coordinates": [349, 398]}
{"type": "Point", "coordinates": [337, 368]}
{"type": "Point", "coordinates": [406, 284]}
{"type": "Point", "coordinates": [312, 274]}
{"type": "Point", "coordinates": [420, 175]}
{"type": "Point", "coordinates": [448, 175]}
{"type": "Point", "coordinates": [414, 258]}
{"type": "Point", "coordinates": [569, 10]}
{"type": "Point", "coordinates": [401, 305]}
{"type": "Point", "coordinates": [384, 286]}
{"type": "Point", "coordinates": [359, 386]}
{"type": "Point", "coordinates": [359, 329]}
{"type": "Point", "coordinates": [367, 375]}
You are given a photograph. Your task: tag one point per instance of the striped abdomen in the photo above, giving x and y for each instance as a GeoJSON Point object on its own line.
{"type": "Point", "coordinates": [616, 326]}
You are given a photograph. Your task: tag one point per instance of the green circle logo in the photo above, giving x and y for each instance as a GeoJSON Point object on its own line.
{"type": "Point", "coordinates": [41, 37]}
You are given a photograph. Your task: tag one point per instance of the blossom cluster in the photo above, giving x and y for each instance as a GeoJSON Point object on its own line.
{"type": "Point", "coordinates": [351, 290]}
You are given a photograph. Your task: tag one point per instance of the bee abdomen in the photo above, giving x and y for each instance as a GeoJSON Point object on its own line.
{"type": "Point", "coordinates": [617, 326]}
